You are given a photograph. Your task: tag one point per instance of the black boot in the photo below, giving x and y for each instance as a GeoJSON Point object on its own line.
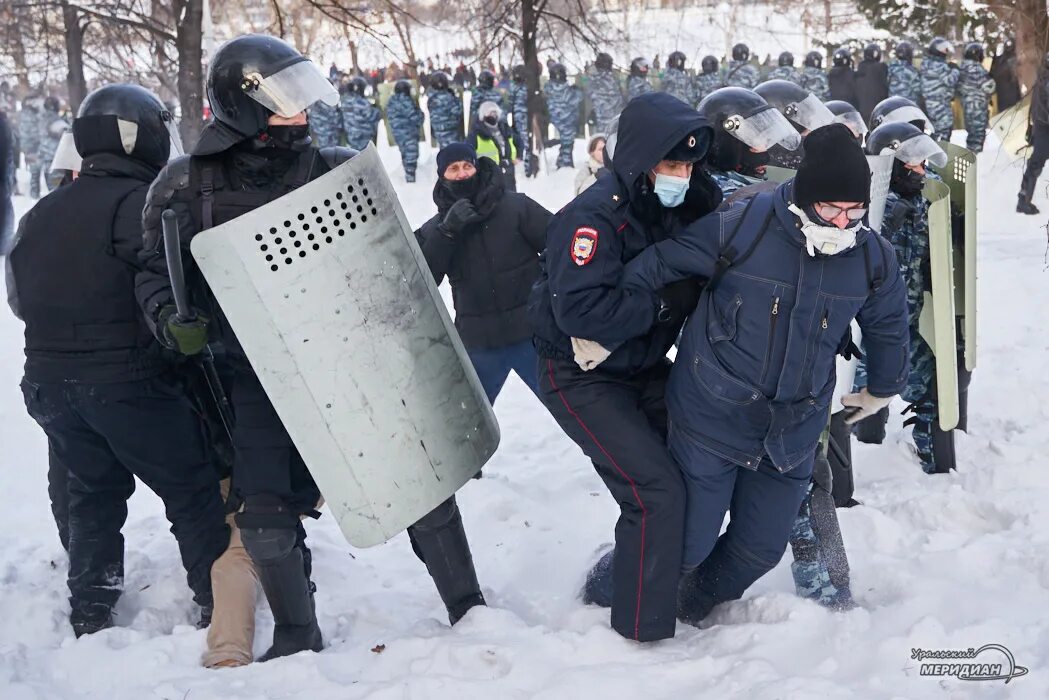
{"type": "Point", "coordinates": [1024, 205]}
{"type": "Point", "coordinates": [279, 561]}
{"type": "Point", "coordinates": [439, 540]}
{"type": "Point", "coordinates": [871, 429]}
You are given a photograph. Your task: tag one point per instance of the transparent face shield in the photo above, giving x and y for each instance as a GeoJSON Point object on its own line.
{"type": "Point", "coordinates": [763, 130]}
{"type": "Point", "coordinates": [918, 149]}
{"type": "Point", "coordinates": [854, 121]}
{"type": "Point", "coordinates": [810, 113]}
{"type": "Point", "coordinates": [905, 114]}
{"type": "Point", "coordinates": [66, 155]}
{"type": "Point", "coordinates": [176, 140]}
{"type": "Point", "coordinates": [291, 89]}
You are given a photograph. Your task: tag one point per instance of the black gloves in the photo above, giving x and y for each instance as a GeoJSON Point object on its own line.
{"type": "Point", "coordinates": [459, 216]}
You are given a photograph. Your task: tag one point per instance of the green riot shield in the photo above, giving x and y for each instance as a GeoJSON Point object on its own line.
{"type": "Point", "coordinates": [960, 176]}
{"type": "Point", "coordinates": [1011, 127]}
{"type": "Point", "coordinates": [774, 173]}
{"type": "Point", "coordinates": [385, 93]}
{"type": "Point", "coordinates": [936, 324]}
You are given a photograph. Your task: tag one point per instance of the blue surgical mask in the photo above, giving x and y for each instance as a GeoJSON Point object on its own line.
{"type": "Point", "coordinates": [670, 189]}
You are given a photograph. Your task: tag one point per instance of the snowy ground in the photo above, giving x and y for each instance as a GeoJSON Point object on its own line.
{"type": "Point", "coordinates": [947, 562]}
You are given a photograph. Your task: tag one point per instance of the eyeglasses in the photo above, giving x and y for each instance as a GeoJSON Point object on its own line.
{"type": "Point", "coordinates": [827, 212]}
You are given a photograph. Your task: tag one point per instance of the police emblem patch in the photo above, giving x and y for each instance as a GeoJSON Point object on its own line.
{"type": "Point", "coordinates": [584, 244]}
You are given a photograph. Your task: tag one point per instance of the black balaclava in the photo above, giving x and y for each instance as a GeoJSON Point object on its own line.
{"type": "Point", "coordinates": [905, 182]}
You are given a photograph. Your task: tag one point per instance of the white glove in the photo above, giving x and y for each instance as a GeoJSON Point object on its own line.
{"type": "Point", "coordinates": [864, 405]}
{"type": "Point", "coordinates": [589, 354]}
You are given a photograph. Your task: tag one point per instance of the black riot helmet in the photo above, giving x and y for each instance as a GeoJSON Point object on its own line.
{"type": "Point", "coordinates": [709, 65]}
{"type": "Point", "coordinates": [403, 87]}
{"type": "Point", "coordinates": [486, 79]}
{"type": "Point", "coordinates": [848, 115]}
{"type": "Point", "coordinates": [814, 59]}
{"type": "Point", "coordinates": [358, 85]}
{"type": "Point", "coordinates": [905, 141]}
{"type": "Point", "coordinates": [558, 73]}
{"type": "Point", "coordinates": [439, 80]}
{"type": "Point", "coordinates": [871, 52]}
{"type": "Point", "coordinates": [127, 120]}
{"type": "Point", "coordinates": [639, 67]}
{"type": "Point", "coordinates": [519, 74]}
{"type": "Point", "coordinates": [603, 61]}
{"type": "Point", "coordinates": [741, 52]}
{"type": "Point", "coordinates": [676, 60]}
{"type": "Point", "coordinates": [940, 47]}
{"type": "Point", "coordinates": [974, 52]}
{"type": "Point", "coordinates": [905, 51]}
{"type": "Point", "coordinates": [898, 109]}
{"type": "Point", "coordinates": [786, 59]}
{"type": "Point", "coordinates": [255, 76]}
{"type": "Point", "coordinates": [747, 117]}
{"type": "Point", "coordinates": [51, 103]}
{"type": "Point", "coordinates": [842, 57]}
{"type": "Point", "coordinates": [796, 103]}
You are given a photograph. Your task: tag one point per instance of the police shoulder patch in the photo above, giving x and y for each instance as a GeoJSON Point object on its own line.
{"type": "Point", "coordinates": [584, 245]}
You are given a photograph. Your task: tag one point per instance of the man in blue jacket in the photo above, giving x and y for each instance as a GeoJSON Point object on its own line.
{"type": "Point", "coordinates": [750, 392]}
{"type": "Point", "coordinates": [616, 413]}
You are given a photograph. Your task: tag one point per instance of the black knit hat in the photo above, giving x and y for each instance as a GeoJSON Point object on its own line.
{"type": "Point", "coordinates": [453, 153]}
{"type": "Point", "coordinates": [833, 168]}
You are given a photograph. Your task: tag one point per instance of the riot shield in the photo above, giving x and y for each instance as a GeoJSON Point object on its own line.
{"type": "Point", "coordinates": [881, 173]}
{"type": "Point", "coordinates": [936, 324]}
{"type": "Point", "coordinates": [384, 93]}
{"type": "Point", "coordinates": [774, 173]}
{"type": "Point", "coordinates": [1011, 127]}
{"type": "Point", "coordinates": [337, 311]}
{"type": "Point", "coordinates": [960, 176]}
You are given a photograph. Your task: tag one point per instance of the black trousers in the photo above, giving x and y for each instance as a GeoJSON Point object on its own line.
{"type": "Point", "coordinates": [1035, 162]}
{"type": "Point", "coordinates": [620, 424]}
{"type": "Point", "coordinates": [58, 492]}
{"type": "Point", "coordinates": [106, 435]}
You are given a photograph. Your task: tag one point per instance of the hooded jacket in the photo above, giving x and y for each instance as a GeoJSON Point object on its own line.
{"type": "Point", "coordinates": [594, 236]}
{"type": "Point", "coordinates": [492, 264]}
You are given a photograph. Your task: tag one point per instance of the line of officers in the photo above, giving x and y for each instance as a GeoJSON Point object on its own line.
{"type": "Point", "coordinates": [115, 376]}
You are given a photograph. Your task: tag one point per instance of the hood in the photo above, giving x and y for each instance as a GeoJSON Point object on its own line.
{"type": "Point", "coordinates": [649, 126]}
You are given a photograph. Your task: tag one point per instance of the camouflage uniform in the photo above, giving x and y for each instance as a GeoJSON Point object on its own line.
{"type": "Point", "coordinates": [52, 126]}
{"type": "Point", "coordinates": [637, 85]}
{"type": "Point", "coordinates": [563, 101]}
{"type": "Point", "coordinates": [904, 81]}
{"type": "Point", "coordinates": [446, 116]}
{"type": "Point", "coordinates": [742, 74]}
{"type": "Point", "coordinates": [405, 119]}
{"type": "Point", "coordinates": [606, 97]}
{"type": "Point", "coordinates": [706, 84]}
{"type": "Point", "coordinates": [815, 81]}
{"type": "Point", "coordinates": [678, 83]}
{"type": "Point", "coordinates": [29, 143]}
{"type": "Point", "coordinates": [789, 73]}
{"type": "Point", "coordinates": [326, 124]}
{"type": "Point", "coordinates": [359, 120]}
{"type": "Point", "coordinates": [975, 87]}
{"type": "Point", "coordinates": [938, 81]}
{"type": "Point", "coordinates": [518, 98]}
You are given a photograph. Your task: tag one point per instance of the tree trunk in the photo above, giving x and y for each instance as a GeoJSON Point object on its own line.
{"type": "Point", "coordinates": [188, 38]}
{"type": "Point", "coordinates": [1031, 24]}
{"type": "Point", "coordinates": [76, 84]}
{"type": "Point", "coordinates": [353, 57]}
{"type": "Point", "coordinates": [530, 55]}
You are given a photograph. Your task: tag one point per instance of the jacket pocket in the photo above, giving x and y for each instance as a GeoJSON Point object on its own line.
{"type": "Point", "coordinates": [773, 321]}
{"type": "Point", "coordinates": [722, 385]}
{"type": "Point", "coordinates": [722, 322]}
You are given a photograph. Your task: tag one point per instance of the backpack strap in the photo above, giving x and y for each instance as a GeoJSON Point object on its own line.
{"type": "Point", "coordinates": [729, 256]}
{"type": "Point", "coordinates": [207, 197]}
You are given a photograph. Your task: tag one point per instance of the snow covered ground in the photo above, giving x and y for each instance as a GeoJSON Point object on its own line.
{"type": "Point", "coordinates": [949, 562]}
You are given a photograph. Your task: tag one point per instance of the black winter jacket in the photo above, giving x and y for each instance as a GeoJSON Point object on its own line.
{"type": "Point", "coordinates": [491, 265]}
{"type": "Point", "coordinates": [872, 86]}
{"type": "Point", "coordinates": [842, 82]}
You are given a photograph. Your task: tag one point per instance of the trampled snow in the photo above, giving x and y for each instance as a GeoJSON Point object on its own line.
{"type": "Point", "coordinates": [945, 562]}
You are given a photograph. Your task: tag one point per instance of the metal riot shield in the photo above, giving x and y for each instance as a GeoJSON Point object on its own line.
{"type": "Point", "coordinates": [881, 173]}
{"type": "Point", "coordinates": [1011, 127]}
{"type": "Point", "coordinates": [960, 176]}
{"type": "Point", "coordinates": [337, 311]}
{"type": "Point", "coordinates": [936, 324]}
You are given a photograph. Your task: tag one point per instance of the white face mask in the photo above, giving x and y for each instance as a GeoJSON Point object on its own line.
{"type": "Point", "coordinates": [828, 240]}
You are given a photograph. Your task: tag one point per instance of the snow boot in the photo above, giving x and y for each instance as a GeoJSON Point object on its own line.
{"type": "Point", "coordinates": [409, 177]}
{"type": "Point", "coordinates": [1024, 206]}
{"type": "Point", "coordinates": [85, 626]}
{"type": "Point", "coordinates": [439, 540]}
{"type": "Point", "coordinates": [598, 587]}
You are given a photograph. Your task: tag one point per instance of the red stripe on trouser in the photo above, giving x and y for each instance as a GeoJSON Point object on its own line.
{"type": "Point", "coordinates": [633, 487]}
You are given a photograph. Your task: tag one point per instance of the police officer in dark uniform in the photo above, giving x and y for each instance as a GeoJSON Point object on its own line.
{"type": "Point", "coordinates": [1038, 136]}
{"type": "Point", "coordinates": [872, 80]}
{"type": "Point", "coordinates": [616, 412]}
{"type": "Point", "coordinates": [256, 150]}
{"type": "Point", "coordinates": [95, 379]}
{"type": "Point", "coordinates": [842, 79]}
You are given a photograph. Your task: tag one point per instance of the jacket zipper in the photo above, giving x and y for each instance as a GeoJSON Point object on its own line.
{"type": "Point", "coordinates": [773, 317]}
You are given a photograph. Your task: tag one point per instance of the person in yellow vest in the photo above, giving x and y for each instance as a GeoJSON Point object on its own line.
{"type": "Point", "coordinates": [494, 139]}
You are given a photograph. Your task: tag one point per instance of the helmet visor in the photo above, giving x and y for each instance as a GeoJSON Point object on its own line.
{"type": "Point", "coordinates": [291, 89]}
{"type": "Point", "coordinates": [854, 121]}
{"type": "Point", "coordinates": [810, 113]}
{"type": "Point", "coordinates": [176, 140]}
{"type": "Point", "coordinates": [763, 130]}
{"type": "Point", "coordinates": [918, 149]}
{"type": "Point", "coordinates": [906, 113]}
{"type": "Point", "coordinates": [66, 155]}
